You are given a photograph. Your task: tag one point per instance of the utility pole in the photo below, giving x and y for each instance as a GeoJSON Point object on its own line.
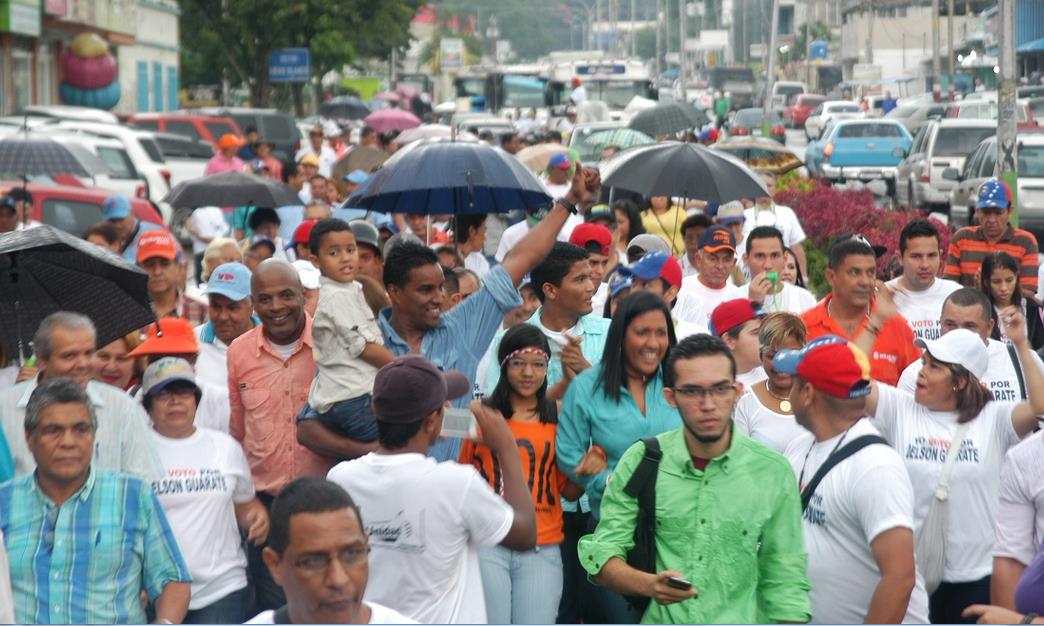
{"type": "Point", "coordinates": [949, 48]}
{"type": "Point", "coordinates": [682, 81]}
{"type": "Point", "coordinates": [766, 116]}
{"type": "Point", "coordinates": [808, 44]}
{"type": "Point", "coordinates": [659, 48]}
{"type": "Point", "coordinates": [598, 25]}
{"type": "Point", "coordinates": [870, 32]}
{"type": "Point", "coordinates": [634, 29]}
{"type": "Point", "coordinates": [936, 61]}
{"type": "Point", "coordinates": [1007, 148]}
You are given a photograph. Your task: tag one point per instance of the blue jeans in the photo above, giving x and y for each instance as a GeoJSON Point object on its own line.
{"type": "Point", "coordinates": [521, 587]}
{"type": "Point", "coordinates": [351, 418]}
{"type": "Point", "coordinates": [232, 609]}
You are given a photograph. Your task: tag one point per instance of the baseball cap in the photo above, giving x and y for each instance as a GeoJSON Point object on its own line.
{"type": "Point", "coordinates": [157, 243]}
{"type": "Point", "coordinates": [309, 159]}
{"type": "Point", "coordinates": [169, 335]}
{"type": "Point", "coordinates": [601, 212]}
{"type": "Point", "coordinates": [7, 202]}
{"type": "Point", "coordinates": [561, 161]}
{"type": "Point", "coordinates": [879, 251]}
{"type": "Point", "coordinates": [732, 313]}
{"type": "Point", "coordinates": [831, 364]}
{"type": "Point", "coordinates": [308, 273]}
{"type": "Point", "coordinates": [231, 280]}
{"type": "Point", "coordinates": [228, 140]}
{"type": "Point", "coordinates": [959, 347]}
{"type": "Point", "coordinates": [587, 233]}
{"type": "Point", "coordinates": [717, 238]}
{"type": "Point", "coordinates": [731, 213]}
{"type": "Point", "coordinates": [303, 231]}
{"type": "Point", "coordinates": [116, 207]}
{"type": "Point", "coordinates": [366, 233]}
{"type": "Point", "coordinates": [619, 282]}
{"type": "Point", "coordinates": [655, 264]}
{"type": "Point", "coordinates": [649, 243]}
{"type": "Point", "coordinates": [356, 177]}
{"type": "Point", "coordinates": [993, 194]}
{"type": "Point", "coordinates": [165, 371]}
{"type": "Point", "coordinates": [428, 389]}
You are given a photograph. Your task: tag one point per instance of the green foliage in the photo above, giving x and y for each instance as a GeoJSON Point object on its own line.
{"type": "Point", "coordinates": [820, 32]}
{"type": "Point", "coordinates": [816, 260]}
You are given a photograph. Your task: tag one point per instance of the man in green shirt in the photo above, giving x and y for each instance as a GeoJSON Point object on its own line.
{"type": "Point", "coordinates": [728, 513]}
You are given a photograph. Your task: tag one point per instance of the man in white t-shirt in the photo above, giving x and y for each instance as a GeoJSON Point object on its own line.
{"type": "Point", "coordinates": [711, 286]}
{"type": "Point", "coordinates": [766, 212]}
{"type": "Point", "coordinates": [206, 224]}
{"type": "Point", "coordinates": [971, 309]}
{"type": "Point", "coordinates": [738, 323]}
{"type": "Point", "coordinates": [1020, 517]}
{"type": "Point", "coordinates": [919, 292]}
{"type": "Point", "coordinates": [559, 176]}
{"type": "Point", "coordinates": [318, 554]}
{"type": "Point", "coordinates": [229, 315]}
{"type": "Point", "coordinates": [517, 232]}
{"type": "Point", "coordinates": [427, 520]}
{"type": "Point", "coordinates": [858, 520]}
{"type": "Point", "coordinates": [764, 256]}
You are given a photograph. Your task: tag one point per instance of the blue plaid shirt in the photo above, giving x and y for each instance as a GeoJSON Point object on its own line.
{"type": "Point", "coordinates": [86, 561]}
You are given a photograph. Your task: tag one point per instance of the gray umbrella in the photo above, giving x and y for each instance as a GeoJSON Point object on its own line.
{"type": "Point", "coordinates": [40, 156]}
{"type": "Point", "coordinates": [43, 270]}
{"type": "Point", "coordinates": [684, 170]}
{"type": "Point", "coordinates": [232, 189]}
{"type": "Point", "coordinates": [668, 119]}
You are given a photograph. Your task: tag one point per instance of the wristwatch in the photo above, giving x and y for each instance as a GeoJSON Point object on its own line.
{"type": "Point", "coordinates": [567, 204]}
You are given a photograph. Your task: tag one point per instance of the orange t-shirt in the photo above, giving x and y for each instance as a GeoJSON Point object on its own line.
{"type": "Point", "coordinates": [894, 347]}
{"type": "Point", "coordinates": [536, 448]}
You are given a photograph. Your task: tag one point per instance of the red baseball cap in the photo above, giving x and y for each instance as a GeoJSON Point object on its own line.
{"type": "Point", "coordinates": [304, 231]}
{"type": "Point", "coordinates": [831, 364]}
{"type": "Point", "coordinates": [157, 243]}
{"type": "Point", "coordinates": [732, 313]}
{"type": "Point", "coordinates": [590, 232]}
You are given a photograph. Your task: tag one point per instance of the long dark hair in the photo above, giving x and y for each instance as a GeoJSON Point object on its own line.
{"type": "Point", "coordinates": [634, 217]}
{"type": "Point", "coordinates": [1000, 261]}
{"type": "Point", "coordinates": [798, 281]}
{"type": "Point", "coordinates": [517, 338]}
{"type": "Point", "coordinates": [613, 376]}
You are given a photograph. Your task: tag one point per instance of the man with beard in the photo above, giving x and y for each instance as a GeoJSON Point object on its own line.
{"type": "Point", "coordinates": [728, 515]}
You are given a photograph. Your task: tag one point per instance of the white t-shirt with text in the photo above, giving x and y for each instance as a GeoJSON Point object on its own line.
{"type": "Point", "coordinates": [922, 309]}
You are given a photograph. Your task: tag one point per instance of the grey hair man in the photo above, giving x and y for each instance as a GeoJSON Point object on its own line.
{"type": "Point", "coordinates": [64, 344]}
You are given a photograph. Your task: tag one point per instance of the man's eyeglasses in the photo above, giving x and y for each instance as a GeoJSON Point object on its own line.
{"type": "Point", "coordinates": [693, 392]}
{"type": "Point", "coordinates": [319, 563]}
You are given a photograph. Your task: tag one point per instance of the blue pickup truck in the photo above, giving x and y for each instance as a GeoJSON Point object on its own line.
{"type": "Point", "coordinates": [862, 150]}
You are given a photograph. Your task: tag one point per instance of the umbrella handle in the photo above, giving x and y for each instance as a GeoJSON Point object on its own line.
{"type": "Point", "coordinates": [471, 189]}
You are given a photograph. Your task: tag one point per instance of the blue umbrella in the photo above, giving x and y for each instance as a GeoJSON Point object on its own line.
{"type": "Point", "coordinates": [441, 176]}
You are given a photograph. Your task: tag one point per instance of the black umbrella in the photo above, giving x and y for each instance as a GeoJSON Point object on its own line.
{"type": "Point", "coordinates": [232, 189]}
{"type": "Point", "coordinates": [40, 156]}
{"type": "Point", "coordinates": [684, 170]}
{"type": "Point", "coordinates": [439, 176]}
{"type": "Point", "coordinates": [43, 270]}
{"type": "Point", "coordinates": [345, 107]}
{"type": "Point", "coordinates": [667, 119]}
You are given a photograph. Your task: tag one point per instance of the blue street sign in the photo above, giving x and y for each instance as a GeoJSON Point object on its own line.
{"type": "Point", "coordinates": [289, 65]}
{"type": "Point", "coordinates": [818, 50]}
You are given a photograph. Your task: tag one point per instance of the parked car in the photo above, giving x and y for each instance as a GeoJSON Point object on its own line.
{"type": "Point", "coordinates": [981, 165]}
{"type": "Point", "coordinates": [986, 109]}
{"type": "Point", "coordinates": [278, 127]}
{"type": "Point", "coordinates": [209, 128]}
{"type": "Point", "coordinates": [937, 146]}
{"type": "Point", "coordinates": [795, 115]}
{"type": "Point", "coordinates": [784, 92]}
{"type": "Point", "coordinates": [915, 115]}
{"type": "Point", "coordinates": [67, 112]}
{"type": "Point", "coordinates": [827, 111]}
{"type": "Point", "coordinates": [186, 157]}
{"type": "Point", "coordinates": [65, 203]}
{"type": "Point", "coordinates": [748, 122]}
{"type": "Point", "coordinates": [856, 149]}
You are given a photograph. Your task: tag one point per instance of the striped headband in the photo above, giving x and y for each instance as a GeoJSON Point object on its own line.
{"type": "Point", "coordinates": [528, 350]}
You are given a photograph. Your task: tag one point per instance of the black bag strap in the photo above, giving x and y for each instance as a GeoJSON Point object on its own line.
{"type": "Point", "coordinates": [645, 473]}
{"type": "Point", "coordinates": [846, 451]}
{"type": "Point", "coordinates": [281, 615]}
{"type": "Point", "coordinates": [1018, 371]}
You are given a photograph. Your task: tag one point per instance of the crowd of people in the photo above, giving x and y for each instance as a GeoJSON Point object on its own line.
{"type": "Point", "coordinates": [636, 412]}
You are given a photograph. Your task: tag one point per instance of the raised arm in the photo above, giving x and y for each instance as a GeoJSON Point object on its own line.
{"type": "Point", "coordinates": [1024, 415]}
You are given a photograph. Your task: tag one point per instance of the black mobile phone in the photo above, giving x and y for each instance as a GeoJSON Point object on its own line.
{"type": "Point", "coordinates": [678, 583]}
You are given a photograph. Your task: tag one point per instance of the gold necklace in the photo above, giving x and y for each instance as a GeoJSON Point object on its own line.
{"type": "Point", "coordinates": [784, 401]}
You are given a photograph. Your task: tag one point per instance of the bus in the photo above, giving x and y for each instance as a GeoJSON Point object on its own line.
{"type": "Point", "coordinates": [613, 81]}
{"type": "Point", "coordinates": [504, 86]}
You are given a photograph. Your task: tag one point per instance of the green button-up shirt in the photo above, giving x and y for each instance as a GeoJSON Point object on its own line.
{"type": "Point", "coordinates": [734, 530]}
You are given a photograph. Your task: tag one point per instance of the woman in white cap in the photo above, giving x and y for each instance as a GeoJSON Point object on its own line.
{"type": "Point", "coordinates": [206, 492]}
{"type": "Point", "coordinates": [953, 438]}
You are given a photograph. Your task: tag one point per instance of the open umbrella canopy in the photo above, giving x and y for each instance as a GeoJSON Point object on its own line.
{"type": "Point", "coordinates": [668, 119]}
{"type": "Point", "coordinates": [388, 96]}
{"type": "Point", "coordinates": [42, 156]}
{"type": "Point", "coordinates": [43, 270]}
{"type": "Point", "coordinates": [761, 154]}
{"type": "Point", "coordinates": [344, 107]}
{"type": "Point", "coordinates": [431, 131]}
{"type": "Point", "coordinates": [685, 170]}
{"type": "Point", "coordinates": [536, 157]}
{"type": "Point", "coordinates": [231, 189]}
{"type": "Point", "coordinates": [450, 177]}
{"type": "Point", "coordinates": [365, 158]}
{"type": "Point", "coordinates": [388, 120]}
{"type": "Point", "coordinates": [620, 137]}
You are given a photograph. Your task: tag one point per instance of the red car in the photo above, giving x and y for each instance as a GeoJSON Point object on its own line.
{"type": "Point", "coordinates": [71, 207]}
{"type": "Point", "coordinates": [795, 114]}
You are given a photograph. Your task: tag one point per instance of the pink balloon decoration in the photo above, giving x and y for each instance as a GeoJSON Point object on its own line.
{"type": "Point", "coordinates": [89, 73]}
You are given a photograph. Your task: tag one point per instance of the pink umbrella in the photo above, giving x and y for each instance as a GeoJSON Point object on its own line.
{"type": "Point", "coordinates": [387, 120]}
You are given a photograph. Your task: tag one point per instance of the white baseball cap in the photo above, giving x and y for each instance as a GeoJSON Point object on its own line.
{"type": "Point", "coordinates": [959, 347]}
{"type": "Point", "coordinates": [309, 274]}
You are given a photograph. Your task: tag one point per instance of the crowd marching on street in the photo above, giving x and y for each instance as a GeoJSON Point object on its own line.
{"type": "Point", "coordinates": [605, 410]}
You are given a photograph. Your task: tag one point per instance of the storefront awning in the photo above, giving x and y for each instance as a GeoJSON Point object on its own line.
{"type": "Point", "coordinates": [1037, 45]}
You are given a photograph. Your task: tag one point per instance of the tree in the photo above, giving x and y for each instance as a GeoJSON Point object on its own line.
{"type": "Point", "coordinates": [819, 32]}
{"type": "Point", "coordinates": [430, 56]}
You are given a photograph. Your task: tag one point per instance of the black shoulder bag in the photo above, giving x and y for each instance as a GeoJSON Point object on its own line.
{"type": "Point", "coordinates": [1018, 371]}
{"type": "Point", "coordinates": [846, 451]}
{"type": "Point", "coordinates": [642, 486]}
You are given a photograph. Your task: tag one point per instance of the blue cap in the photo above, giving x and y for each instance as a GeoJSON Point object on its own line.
{"type": "Point", "coordinates": [7, 202]}
{"type": "Point", "coordinates": [231, 280]}
{"type": "Point", "coordinates": [993, 194]}
{"type": "Point", "coordinates": [618, 283]}
{"type": "Point", "coordinates": [561, 161]}
{"type": "Point", "coordinates": [356, 177]}
{"type": "Point", "coordinates": [116, 207]}
{"type": "Point", "coordinates": [655, 264]}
